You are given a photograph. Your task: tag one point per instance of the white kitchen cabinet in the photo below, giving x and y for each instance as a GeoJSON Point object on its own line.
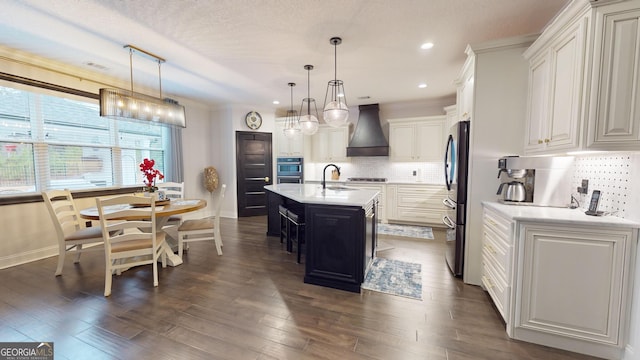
{"type": "Point", "coordinates": [614, 116]}
{"type": "Point", "coordinates": [417, 139]}
{"type": "Point", "coordinates": [381, 215]}
{"type": "Point", "coordinates": [329, 144]}
{"type": "Point", "coordinates": [497, 254]}
{"type": "Point", "coordinates": [451, 115]}
{"type": "Point", "coordinates": [555, 92]}
{"type": "Point", "coordinates": [288, 147]}
{"type": "Point", "coordinates": [584, 80]}
{"type": "Point", "coordinates": [465, 87]}
{"type": "Point", "coordinates": [415, 203]}
{"type": "Point", "coordinates": [574, 284]}
{"type": "Point", "coordinates": [560, 278]}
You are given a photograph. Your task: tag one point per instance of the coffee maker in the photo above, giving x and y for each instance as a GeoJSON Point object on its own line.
{"type": "Point", "coordinates": [535, 180]}
{"type": "Point", "coordinates": [518, 184]}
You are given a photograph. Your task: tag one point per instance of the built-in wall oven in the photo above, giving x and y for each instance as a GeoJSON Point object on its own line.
{"type": "Point", "coordinates": [289, 170]}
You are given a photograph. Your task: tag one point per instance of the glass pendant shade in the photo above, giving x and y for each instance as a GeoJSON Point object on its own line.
{"type": "Point", "coordinates": [336, 112]}
{"type": "Point", "coordinates": [291, 123]}
{"type": "Point", "coordinates": [308, 121]}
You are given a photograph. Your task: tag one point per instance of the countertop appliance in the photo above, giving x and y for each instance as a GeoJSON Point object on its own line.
{"type": "Point", "coordinates": [289, 170]}
{"type": "Point", "coordinates": [546, 180]}
{"type": "Point", "coordinates": [514, 191]}
{"type": "Point", "coordinates": [456, 168]}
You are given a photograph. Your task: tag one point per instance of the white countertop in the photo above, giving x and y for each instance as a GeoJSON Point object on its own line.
{"type": "Point", "coordinates": [313, 194]}
{"type": "Point", "coordinates": [557, 215]}
{"type": "Point", "coordinates": [388, 182]}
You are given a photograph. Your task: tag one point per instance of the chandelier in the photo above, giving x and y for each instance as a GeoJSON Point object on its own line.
{"type": "Point", "coordinates": [335, 111]}
{"type": "Point", "coordinates": [291, 124]}
{"type": "Point", "coordinates": [119, 103]}
{"type": "Point", "coordinates": [308, 121]}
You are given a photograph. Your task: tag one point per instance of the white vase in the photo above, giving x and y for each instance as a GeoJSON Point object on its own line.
{"type": "Point", "coordinates": [153, 195]}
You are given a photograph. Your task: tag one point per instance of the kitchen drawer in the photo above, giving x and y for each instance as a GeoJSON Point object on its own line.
{"type": "Point", "coordinates": [497, 289]}
{"type": "Point", "coordinates": [497, 253]}
{"type": "Point", "coordinates": [421, 196]}
{"type": "Point", "coordinates": [413, 215]}
{"type": "Point", "coordinates": [500, 225]}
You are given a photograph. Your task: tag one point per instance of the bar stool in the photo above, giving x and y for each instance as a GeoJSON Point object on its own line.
{"type": "Point", "coordinates": [295, 232]}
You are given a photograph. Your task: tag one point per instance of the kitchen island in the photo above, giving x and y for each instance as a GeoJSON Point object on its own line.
{"type": "Point", "coordinates": [340, 230]}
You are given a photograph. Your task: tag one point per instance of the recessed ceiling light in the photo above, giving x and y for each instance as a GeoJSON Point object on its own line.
{"type": "Point", "coordinates": [276, 102]}
{"type": "Point", "coordinates": [426, 46]}
{"type": "Point", "coordinates": [422, 85]}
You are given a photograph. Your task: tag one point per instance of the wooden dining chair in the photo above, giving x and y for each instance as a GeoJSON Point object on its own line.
{"type": "Point", "coordinates": [173, 191]}
{"type": "Point", "coordinates": [202, 229]}
{"type": "Point", "coordinates": [71, 234]}
{"type": "Point", "coordinates": [131, 235]}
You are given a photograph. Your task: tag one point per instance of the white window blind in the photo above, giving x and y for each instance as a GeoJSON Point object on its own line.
{"type": "Point", "coordinates": [58, 142]}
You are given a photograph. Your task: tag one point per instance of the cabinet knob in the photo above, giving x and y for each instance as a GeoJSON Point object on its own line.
{"type": "Point", "coordinates": [266, 179]}
{"type": "Point", "coordinates": [546, 141]}
{"type": "Point", "coordinates": [539, 141]}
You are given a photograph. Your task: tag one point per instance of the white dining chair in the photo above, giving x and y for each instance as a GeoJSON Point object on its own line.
{"type": "Point", "coordinates": [131, 235]}
{"type": "Point", "coordinates": [173, 191]}
{"type": "Point", "coordinates": [71, 234]}
{"type": "Point", "coordinates": [202, 229]}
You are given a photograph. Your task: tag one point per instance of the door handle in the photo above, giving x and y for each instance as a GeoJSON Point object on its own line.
{"type": "Point", "coordinates": [266, 179]}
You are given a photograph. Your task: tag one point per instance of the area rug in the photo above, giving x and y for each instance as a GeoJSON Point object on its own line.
{"type": "Point", "coordinates": [421, 232]}
{"type": "Point", "coordinates": [395, 277]}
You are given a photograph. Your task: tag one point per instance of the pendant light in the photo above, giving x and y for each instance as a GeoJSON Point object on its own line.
{"type": "Point", "coordinates": [308, 121]}
{"type": "Point", "coordinates": [120, 103]}
{"type": "Point", "coordinates": [291, 124]}
{"type": "Point", "coordinates": [336, 112]}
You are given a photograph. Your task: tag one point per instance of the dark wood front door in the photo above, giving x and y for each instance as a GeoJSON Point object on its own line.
{"type": "Point", "coordinates": [254, 171]}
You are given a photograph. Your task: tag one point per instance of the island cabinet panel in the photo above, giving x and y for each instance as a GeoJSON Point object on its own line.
{"type": "Point", "coordinates": [273, 217]}
{"type": "Point", "coordinates": [335, 246]}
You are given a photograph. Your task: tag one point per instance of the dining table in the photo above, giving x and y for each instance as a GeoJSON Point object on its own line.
{"type": "Point", "coordinates": [164, 210]}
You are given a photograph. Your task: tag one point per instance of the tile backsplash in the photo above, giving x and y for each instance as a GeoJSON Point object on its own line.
{"type": "Point", "coordinates": [381, 167]}
{"type": "Point", "coordinates": [611, 173]}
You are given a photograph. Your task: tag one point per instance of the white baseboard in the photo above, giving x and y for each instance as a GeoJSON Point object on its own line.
{"type": "Point", "coordinates": [28, 256]}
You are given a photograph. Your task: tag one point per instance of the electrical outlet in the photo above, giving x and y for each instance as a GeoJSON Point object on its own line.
{"type": "Point", "coordinates": [584, 188]}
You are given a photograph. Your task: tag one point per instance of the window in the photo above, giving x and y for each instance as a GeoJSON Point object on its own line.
{"type": "Point", "coordinates": [53, 141]}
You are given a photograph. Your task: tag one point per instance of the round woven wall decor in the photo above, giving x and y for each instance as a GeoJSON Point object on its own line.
{"type": "Point", "coordinates": [210, 178]}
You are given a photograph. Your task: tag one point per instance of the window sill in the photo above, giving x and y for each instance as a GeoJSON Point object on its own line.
{"type": "Point", "coordinates": [77, 194]}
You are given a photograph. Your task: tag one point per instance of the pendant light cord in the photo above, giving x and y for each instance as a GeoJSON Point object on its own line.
{"type": "Point", "coordinates": [131, 68]}
{"type": "Point", "coordinates": [160, 79]}
{"type": "Point", "coordinates": [335, 70]}
{"type": "Point", "coordinates": [308, 91]}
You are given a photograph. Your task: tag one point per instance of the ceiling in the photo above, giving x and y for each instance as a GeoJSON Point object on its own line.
{"type": "Point", "coordinates": [246, 51]}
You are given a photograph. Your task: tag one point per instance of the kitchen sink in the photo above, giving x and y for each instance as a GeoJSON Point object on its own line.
{"type": "Point", "coordinates": [340, 188]}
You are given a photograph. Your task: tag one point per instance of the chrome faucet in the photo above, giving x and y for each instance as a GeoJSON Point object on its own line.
{"type": "Point", "coordinates": [324, 182]}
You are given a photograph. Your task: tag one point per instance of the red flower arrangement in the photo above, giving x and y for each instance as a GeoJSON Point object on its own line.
{"type": "Point", "coordinates": [150, 174]}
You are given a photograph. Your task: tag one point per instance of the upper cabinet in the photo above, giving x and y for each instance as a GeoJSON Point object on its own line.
{"type": "Point", "coordinates": [288, 147]}
{"type": "Point", "coordinates": [330, 144]}
{"type": "Point", "coordinates": [417, 139]}
{"type": "Point", "coordinates": [614, 111]}
{"type": "Point", "coordinates": [451, 113]}
{"type": "Point", "coordinates": [464, 88]}
{"type": "Point", "coordinates": [583, 80]}
{"type": "Point", "coordinates": [555, 91]}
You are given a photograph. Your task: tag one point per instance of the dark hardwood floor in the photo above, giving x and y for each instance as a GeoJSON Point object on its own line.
{"type": "Point", "coordinates": [251, 303]}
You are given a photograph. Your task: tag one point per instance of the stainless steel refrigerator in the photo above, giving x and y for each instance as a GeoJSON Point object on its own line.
{"type": "Point", "coordinates": [456, 168]}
